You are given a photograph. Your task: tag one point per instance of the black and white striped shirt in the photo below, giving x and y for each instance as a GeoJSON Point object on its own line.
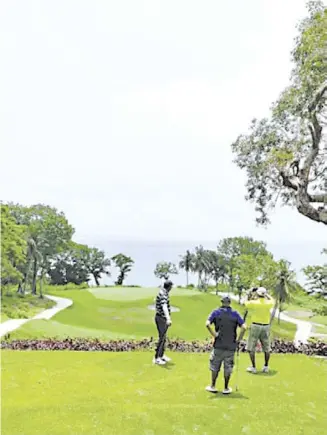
{"type": "Point", "coordinates": [162, 299]}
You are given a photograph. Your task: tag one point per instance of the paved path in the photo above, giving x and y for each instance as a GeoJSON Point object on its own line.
{"type": "Point", "coordinates": [304, 328]}
{"type": "Point", "coordinates": [12, 324]}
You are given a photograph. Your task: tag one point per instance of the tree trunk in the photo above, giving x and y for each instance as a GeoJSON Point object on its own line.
{"type": "Point", "coordinates": [28, 266]}
{"type": "Point", "coordinates": [34, 277]}
{"type": "Point", "coordinates": [216, 287]}
{"type": "Point", "coordinates": [186, 278]}
{"type": "Point", "coordinates": [41, 284]}
{"type": "Point", "coordinates": [274, 312]}
{"type": "Point", "coordinates": [96, 279]}
{"type": "Point", "coordinates": [20, 290]}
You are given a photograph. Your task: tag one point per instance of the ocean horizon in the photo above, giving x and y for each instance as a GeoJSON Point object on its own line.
{"type": "Point", "coordinates": [147, 254]}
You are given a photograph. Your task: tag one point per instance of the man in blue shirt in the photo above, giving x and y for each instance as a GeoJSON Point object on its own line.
{"type": "Point", "coordinates": [226, 322]}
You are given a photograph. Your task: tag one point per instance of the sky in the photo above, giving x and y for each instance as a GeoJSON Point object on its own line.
{"type": "Point", "coordinates": [122, 113]}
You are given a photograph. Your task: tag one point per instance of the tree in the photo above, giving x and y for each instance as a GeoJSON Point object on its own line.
{"type": "Point", "coordinates": [186, 263]}
{"type": "Point", "coordinates": [216, 266]}
{"type": "Point", "coordinates": [164, 270]}
{"type": "Point", "coordinates": [285, 285]}
{"type": "Point", "coordinates": [317, 277]}
{"type": "Point", "coordinates": [48, 233]}
{"type": "Point", "coordinates": [284, 156]}
{"type": "Point", "coordinates": [95, 262]}
{"type": "Point", "coordinates": [234, 249]}
{"type": "Point", "coordinates": [13, 248]}
{"type": "Point", "coordinates": [124, 264]}
{"type": "Point", "coordinates": [73, 266]}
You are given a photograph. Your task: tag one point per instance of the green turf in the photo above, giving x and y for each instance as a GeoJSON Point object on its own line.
{"type": "Point", "coordinates": [15, 306]}
{"type": "Point", "coordinates": [106, 393]}
{"type": "Point", "coordinates": [134, 294]}
{"type": "Point", "coordinates": [90, 316]}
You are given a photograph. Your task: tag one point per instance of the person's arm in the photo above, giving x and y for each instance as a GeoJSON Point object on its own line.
{"type": "Point", "coordinates": [209, 323]}
{"type": "Point", "coordinates": [165, 308]}
{"type": "Point", "coordinates": [242, 326]}
{"type": "Point", "coordinates": [167, 315]}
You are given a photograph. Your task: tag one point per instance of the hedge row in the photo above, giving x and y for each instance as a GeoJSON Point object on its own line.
{"type": "Point", "coordinates": [84, 344]}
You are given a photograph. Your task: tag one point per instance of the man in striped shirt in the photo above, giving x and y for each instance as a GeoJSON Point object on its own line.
{"type": "Point", "coordinates": [163, 321]}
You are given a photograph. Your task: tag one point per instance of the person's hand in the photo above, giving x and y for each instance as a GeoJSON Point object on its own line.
{"type": "Point", "coordinates": [169, 322]}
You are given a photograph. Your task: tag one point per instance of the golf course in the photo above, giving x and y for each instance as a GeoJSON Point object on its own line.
{"type": "Point", "coordinates": [163, 216]}
{"type": "Point", "coordinates": [109, 393]}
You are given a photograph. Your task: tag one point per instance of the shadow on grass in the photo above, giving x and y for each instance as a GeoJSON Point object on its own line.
{"type": "Point", "coordinates": [269, 374]}
{"type": "Point", "coordinates": [167, 366]}
{"type": "Point", "coordinates": [234, 395]}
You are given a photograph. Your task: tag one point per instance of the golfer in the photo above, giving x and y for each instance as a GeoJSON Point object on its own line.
{"type": "Point", "coordinates": [226, 322]}
{"type": "Point", "coordinates": [163, 321]}
{"type": "Point", "coordinates": [258, 305]}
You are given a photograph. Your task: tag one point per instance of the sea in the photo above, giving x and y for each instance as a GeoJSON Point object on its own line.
{"type": "Point", "coordinates": [147, 254]}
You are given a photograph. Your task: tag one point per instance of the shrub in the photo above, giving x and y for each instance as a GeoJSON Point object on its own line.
{"type": "Point", "coordinates": [85, 344]}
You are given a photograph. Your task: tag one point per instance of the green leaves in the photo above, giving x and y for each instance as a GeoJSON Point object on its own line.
{"type": "Point", "coordinates": [165, 269]}
{"type": "Point", "coordinates": [317, 277]}
{"type": "Point", "coordinates": [124, 264]}
{"type": "Point", "coordinates": [13, 248]}
{"type": "Point", "coordinates": [283, 156]}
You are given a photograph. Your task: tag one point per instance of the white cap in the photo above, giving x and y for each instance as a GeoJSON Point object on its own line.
{"type": "Point", "coordinates": [261, 291]}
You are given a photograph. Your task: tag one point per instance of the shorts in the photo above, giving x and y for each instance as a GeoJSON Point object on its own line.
{"type": "Point", "coordinates": [219, 356]}
{"type": "Point", "coordinates": [259, 333]}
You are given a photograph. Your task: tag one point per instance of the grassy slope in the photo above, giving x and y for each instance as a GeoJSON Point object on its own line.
{"type": "Point", "coordinates": [113, 313]}
{"type": "Point", "coordinates": [14, 306]}
{"type": "Point", "coordinates": [106, 393]}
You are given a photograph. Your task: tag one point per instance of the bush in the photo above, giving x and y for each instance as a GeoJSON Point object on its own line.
{"type": "Point", "coordinates": [84, 344]}
{"type": "Point", "coordinates": [321, 311]}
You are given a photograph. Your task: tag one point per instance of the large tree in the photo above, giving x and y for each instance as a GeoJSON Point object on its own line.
{"type": "Point", "coordinates": [317, 277]}
{"type": "Point", "coordinates": [186, 263]}
{"type": "Point", "coordinates": [124, 264]}
{"type": "Point", "coordinates": [48, 233]}
{"type": "Point", "coordinates": [164, 269]}
{"type": "Point", "coordinates": [284, 156]}
{"type": "Point", "coordinates": [232, 248]}
{"type": "Point", "coordinates": [73, 266]}
{"type": "Point", "coordinates": [13, 248]}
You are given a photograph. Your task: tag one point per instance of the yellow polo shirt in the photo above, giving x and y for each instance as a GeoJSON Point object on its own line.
{"type": "Point", "coordinates": [259, 310]}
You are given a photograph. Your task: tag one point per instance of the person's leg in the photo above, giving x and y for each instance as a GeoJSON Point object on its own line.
{"type": "Point", "coordinates": [215, 364]}
{"type": "Point", "coordinates": [228, 369]}
{"type": "Point", "coordinates": [161, 327]}
{"type": "Point", "coordinates": [265, 343]}
{"type": "Point", "coordinates": [251, 344]}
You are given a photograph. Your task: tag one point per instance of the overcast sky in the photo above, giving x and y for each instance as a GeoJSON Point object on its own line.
{"type": "Point", "coordinates": [121, 112]}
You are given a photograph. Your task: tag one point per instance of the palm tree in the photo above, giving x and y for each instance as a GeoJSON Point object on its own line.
{"type": "Point", "coordinates": [285, 285]}
{"type": "Point", "coordinates": [186, 263]}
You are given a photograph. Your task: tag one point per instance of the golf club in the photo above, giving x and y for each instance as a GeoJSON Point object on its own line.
{"type": "Point", "coordinates": [237, 369]}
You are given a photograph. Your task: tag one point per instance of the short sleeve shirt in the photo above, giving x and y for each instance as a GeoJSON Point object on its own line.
{"type": "Point", "coordinates": [226, 322]}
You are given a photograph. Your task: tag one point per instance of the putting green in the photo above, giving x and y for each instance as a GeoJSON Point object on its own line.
{"type": "Point", "coordinates": [135, 293]}
{"type": "Point", "coordinates": [101, 393]}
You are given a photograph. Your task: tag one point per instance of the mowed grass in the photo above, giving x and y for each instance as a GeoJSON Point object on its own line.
{"type": "Point", "coordinates": [124, 393]}
{"type": "Point", "coordinates": [15, 306]}
{"type": "Point", "coordinates": [109, 314]}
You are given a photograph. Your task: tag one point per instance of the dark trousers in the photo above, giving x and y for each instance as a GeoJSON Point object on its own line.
{"type": "Point", "coordinates": [162, 332]}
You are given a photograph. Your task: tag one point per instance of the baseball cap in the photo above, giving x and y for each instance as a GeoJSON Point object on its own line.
{"type": "Point", "coordinates": [226, 300]}
{"type": "Point", "coordinates": [261, 291]}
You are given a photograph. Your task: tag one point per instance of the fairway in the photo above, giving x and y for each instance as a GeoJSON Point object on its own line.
{"type": "Point", "coordinates": [134, 294]}
{"type": "Point", "coordinates": [110, 313]}
{"type": "Point", "coordinates": [123, 393]}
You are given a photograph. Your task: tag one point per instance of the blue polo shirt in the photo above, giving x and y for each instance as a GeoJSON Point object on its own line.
{"type": "Point", "coordinates": [226, 322]}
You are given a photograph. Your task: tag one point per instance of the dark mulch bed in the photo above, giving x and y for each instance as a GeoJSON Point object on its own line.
{"type": "Point", "coordinates": [85, 344]}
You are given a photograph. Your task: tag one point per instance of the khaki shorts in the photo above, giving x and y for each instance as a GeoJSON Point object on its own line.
{"type": "Point", "coordinates": [259, 333]}
{"type": "Point", "coordinates": [219, 356]}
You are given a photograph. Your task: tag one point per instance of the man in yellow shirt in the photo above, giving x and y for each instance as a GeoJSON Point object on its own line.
{"type": "Point", "coordinates": [258, 306]}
